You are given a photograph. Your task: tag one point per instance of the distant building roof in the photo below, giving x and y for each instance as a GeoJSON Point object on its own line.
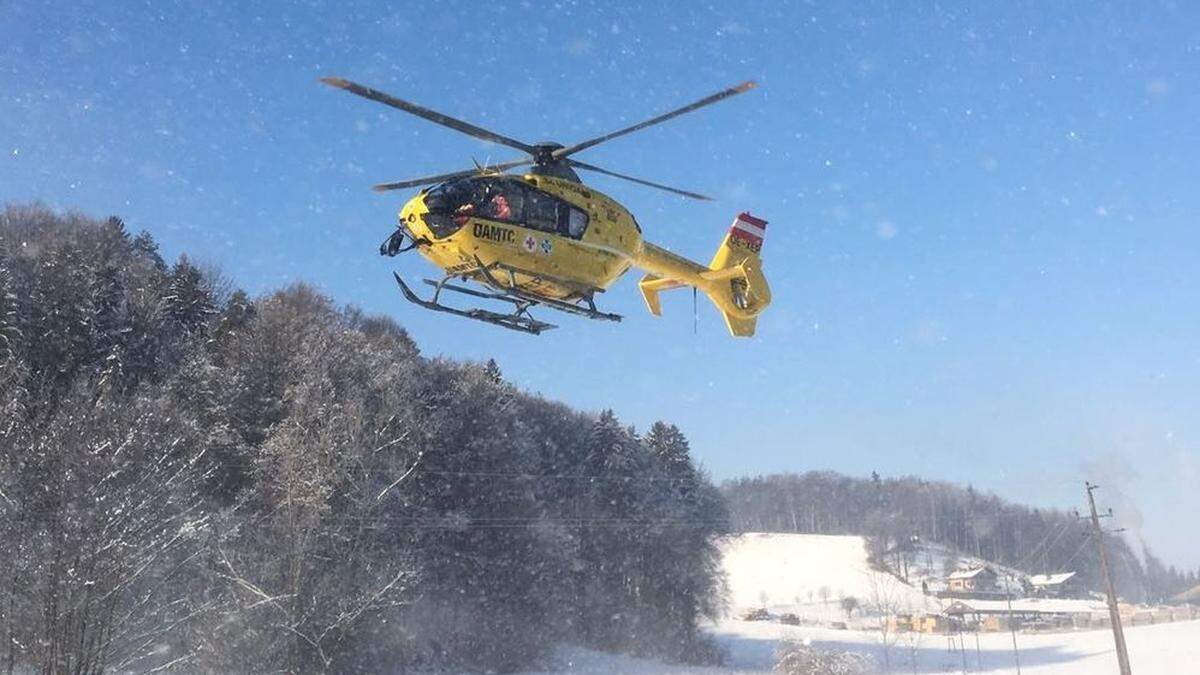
{"type": "Point", "coordinates": [1043, 580]}
{"type": "Point", "coordinates": [1025, 606]}
{"type": "Point", "coordinates": [968, 574]}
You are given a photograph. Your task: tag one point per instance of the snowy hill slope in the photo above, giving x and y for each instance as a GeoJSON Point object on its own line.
{"type": "Point", "coordinates": [808, 574]}
{"type": "Point", "coordinates": [929, 563]}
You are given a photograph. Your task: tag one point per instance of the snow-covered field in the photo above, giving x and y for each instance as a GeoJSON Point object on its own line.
{"type": "Point", "coordinates": [781, 570]}
{"type": "Point", "coordinates": [808, 575]}
{"type": "Point", "coordinates": [1170, 648]}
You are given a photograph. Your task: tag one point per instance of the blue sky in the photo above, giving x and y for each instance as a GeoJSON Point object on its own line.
{"type": "Point", "coordinates": [983, 235]}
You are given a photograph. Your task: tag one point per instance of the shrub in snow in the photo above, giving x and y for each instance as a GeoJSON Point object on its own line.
{"type": "Point", "coordinates": [705, 651]}
{"type": "Point", "coordinates": [797, 658]}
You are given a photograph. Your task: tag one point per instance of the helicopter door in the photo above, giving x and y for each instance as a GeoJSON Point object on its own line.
{"type": "Point", "coordinates": [550, 214]}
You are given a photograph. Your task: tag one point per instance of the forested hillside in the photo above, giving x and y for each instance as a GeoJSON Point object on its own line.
{"type": "Point", "coordinates": [890, 511]}
{"type": "Point", "coordinates": [196, 479]}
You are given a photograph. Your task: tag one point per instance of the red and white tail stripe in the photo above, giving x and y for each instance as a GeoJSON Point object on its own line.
{"type": "Point", "coordinates": [748, 229]}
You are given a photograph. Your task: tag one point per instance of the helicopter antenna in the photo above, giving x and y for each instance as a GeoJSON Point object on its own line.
{"type": "Point", "coordinates": [483, 169]}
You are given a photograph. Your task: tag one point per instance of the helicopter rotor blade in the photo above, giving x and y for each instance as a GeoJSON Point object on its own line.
{"type": "Point", "coordinates": [425, 113]}
{"type": "Point", "coordinates": [428, 180]}
{"type": "Point", "coordinates": [590, 167]}
{"type": "Point", "coordinates": [708, 100]}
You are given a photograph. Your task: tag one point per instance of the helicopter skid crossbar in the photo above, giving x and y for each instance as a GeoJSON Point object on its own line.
{"type": "Point", "coordinates": [512, 289]}
{"type": "Point", "coordinates": [518, 320]}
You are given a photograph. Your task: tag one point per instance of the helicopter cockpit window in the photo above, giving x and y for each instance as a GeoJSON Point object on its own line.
{"type": "Point", "coordinates": [450, 196]}
{"type": "Point", "coordinates": [450, 204]}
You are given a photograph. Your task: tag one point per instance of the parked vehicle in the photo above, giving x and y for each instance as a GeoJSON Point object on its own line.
{"type": "Point", "coordinates": [760, 614]}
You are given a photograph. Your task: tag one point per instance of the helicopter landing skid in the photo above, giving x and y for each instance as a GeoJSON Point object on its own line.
{"type": "Point", "coordinates": [511, 289]}
{"type": "Point", "coordinates": [518, 320]}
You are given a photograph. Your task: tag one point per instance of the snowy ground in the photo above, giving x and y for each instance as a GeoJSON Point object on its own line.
{"type": "Point", "coordinates": [787, 572]}
{"type": "Point", "coordinates": [1171, 648]}
{"type": "Point", "coordinates": [808, 575]}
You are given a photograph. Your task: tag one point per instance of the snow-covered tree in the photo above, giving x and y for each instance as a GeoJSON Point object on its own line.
{"type": "Point", "coordinates": [201, 483]}
{"type": "Point", "coordinates": [188, 301]}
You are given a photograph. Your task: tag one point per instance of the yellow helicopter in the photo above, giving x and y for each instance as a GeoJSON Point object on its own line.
{"type": "Point", "coordinates": [546, 239]}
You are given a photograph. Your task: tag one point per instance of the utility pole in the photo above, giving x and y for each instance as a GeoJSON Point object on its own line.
{"type": "Point", "coordinates": [1114, 613]}
{"type": "Point", "coordinates": [1012, 625]}
{"type": "Point", "coordinates": [978, 654]}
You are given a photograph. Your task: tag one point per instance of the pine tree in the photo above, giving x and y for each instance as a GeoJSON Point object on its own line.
{"type": "Point", "coordinates": [112, 246]}
{"type": "Point", "coordinates": [682, 561]}
{"type": "Point", "coordinates": [109, 322]}
{"type": "Point", "coordinates": [231, 322]}
{"type": "Point", "coordinates": [610, 532]}
{"type": "Point", "coordinates": [670, 447]}
{"type": "Point", "coordinates": [187, 300]}
{"type": "Point", "coordinates": [60, 322]}
{"type": "Point", "coordinates": [146, 248]}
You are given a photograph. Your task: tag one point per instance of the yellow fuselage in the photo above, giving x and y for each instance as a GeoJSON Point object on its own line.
{"type": "Point", "coordinates": [549, 263]}
{"type": "Point", "coordinates": [553, 265]}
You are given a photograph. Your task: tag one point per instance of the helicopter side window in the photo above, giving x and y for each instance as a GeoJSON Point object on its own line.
{"type": "Point", "coordinates": [503, 201]}
{"type": "Point", "coordinates": [541, 211]}
{"type": "Point", "coordinates": [576, 222]}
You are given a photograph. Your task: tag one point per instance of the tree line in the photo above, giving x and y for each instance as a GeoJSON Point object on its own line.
{"type": "Point", "coordinates": [194, 479]}
{"type": "Point", "coordinates": [890, 511]}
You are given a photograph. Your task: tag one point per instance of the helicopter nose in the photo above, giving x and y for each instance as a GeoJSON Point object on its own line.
{"type": "Point", "coordinates": [415, 222]}
{"type": "Point", "coordinates": [408, 219]}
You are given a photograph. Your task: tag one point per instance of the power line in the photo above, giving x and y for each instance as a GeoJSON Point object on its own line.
{"type": "Point", "coordinates": [1082, 545]}
{"type": "Point", "coordinates": [694, 480]}
{"type": "Point", "coordinates": [1038, 549]}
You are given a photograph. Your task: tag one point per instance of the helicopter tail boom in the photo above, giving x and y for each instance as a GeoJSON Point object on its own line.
{"type": "Point", "coordinates": [734, 280]}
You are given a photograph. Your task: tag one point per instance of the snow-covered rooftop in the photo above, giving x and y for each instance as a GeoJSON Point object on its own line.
{"type": "Point", "coordinates": [967, 574]}
{"type": "Point", "coordinates": [1042, 580]}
